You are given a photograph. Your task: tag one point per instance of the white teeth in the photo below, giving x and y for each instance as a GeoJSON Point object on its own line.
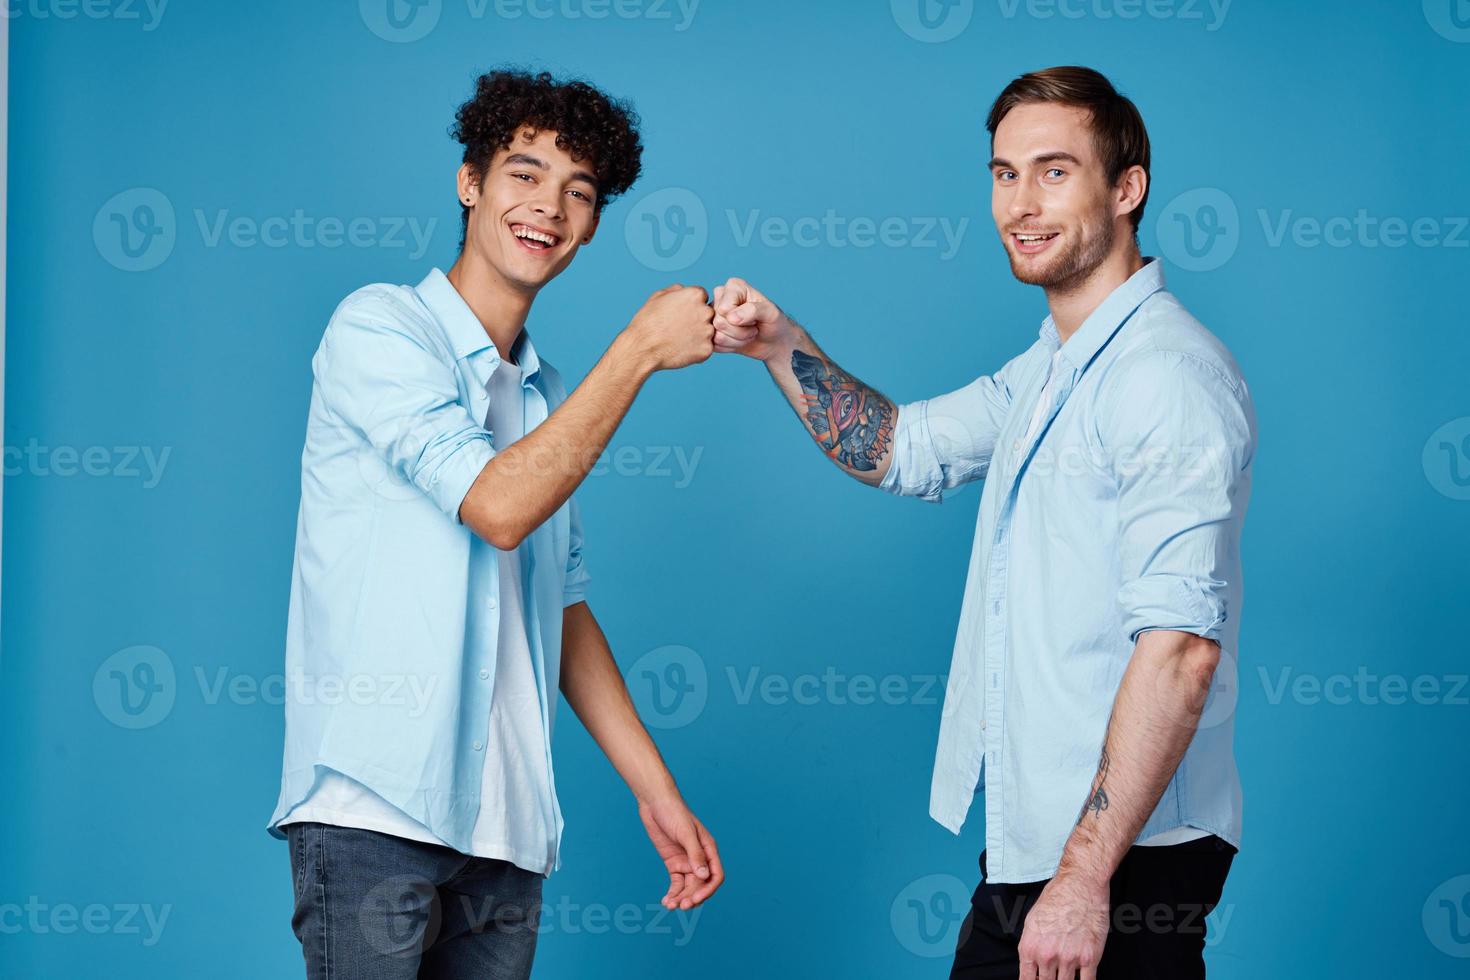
{"type": "Point", "coordinates": [1033, 238]}
{"type": "Point", "coordinates": [521, 231]}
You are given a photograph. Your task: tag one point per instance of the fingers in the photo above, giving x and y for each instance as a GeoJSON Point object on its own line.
{"type": "Point", "coordinates": [705, 889]}
{"type": "Point", "coordinates": [733, 293]}
{"type": "Point", "coordinates": [676, 888]}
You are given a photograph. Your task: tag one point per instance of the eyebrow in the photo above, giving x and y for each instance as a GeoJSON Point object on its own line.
{"type": "Point", "coordinates": [1052, 157]}
{"type": "Point", "coordinates": [527, 160]}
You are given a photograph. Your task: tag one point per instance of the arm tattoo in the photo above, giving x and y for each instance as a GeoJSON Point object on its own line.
{"type": "Point", "coordinates": [850, 421]}
{"type": "Point", "coordinates": [1098, 801]}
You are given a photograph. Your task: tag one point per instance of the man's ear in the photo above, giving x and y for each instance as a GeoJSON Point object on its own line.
{"type": "Point", "coordinates": [1132, 186]}
{"type": "Point", "coordinates": [466, 185]}
{"type": "Point", "coordinates": [593, 230]}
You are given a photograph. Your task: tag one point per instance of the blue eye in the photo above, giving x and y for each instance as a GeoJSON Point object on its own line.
{"type": "Point", "coordinates": [1055, 171]}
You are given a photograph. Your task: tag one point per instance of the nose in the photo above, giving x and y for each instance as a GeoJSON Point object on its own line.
{"type": "Point", "coordinates": [547, 202]}
{"type": "Point", "coordinates": [1025, 201]}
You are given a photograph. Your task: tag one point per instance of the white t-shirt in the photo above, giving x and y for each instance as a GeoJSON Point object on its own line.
{"type": "Point", "coordinates": [1178, 835]}
{"type": "Point", "coordinates": [516, 776]}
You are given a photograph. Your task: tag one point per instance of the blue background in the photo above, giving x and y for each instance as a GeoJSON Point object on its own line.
{"type": "Point", "coordinates": [768, 559]}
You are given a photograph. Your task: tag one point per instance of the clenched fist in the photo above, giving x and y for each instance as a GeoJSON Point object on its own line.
{"type": "Point", "coordinates": [675, 328]}
{"type": "Point", "coordinates": [748, 323]}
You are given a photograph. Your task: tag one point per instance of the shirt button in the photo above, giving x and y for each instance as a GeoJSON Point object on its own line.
{"type": "Point", "coordinates": [995, 607]}
{"type": "Point", "coordinates": [982, 724]}
{"type": "Point", "coordinates": [1016, 446]}
{"type": "Point", "coordinates": [479, 746]}
{"type": "Point", "coordinates": [491, 602]}
{"type": "Point", "coordinates": [484, 675]}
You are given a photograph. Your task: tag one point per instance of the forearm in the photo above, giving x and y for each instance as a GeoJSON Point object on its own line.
{"type": "Point", "coordinates": [526, 482]}
{"type": "Point", "coordinates": [850, 422]}
{"type": "Point", "coordinates": [594, 688]}
{"type": "Point", "coordinates": [1154, 718]}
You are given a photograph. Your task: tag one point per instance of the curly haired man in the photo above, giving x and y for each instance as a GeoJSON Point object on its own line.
{"type": "Point", "coordinates": [439, 590]}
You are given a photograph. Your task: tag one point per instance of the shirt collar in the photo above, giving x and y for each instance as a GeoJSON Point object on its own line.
{"type": "Point", "coordinates": [1111, 313]}
{"type": "Point", "coordinates": [466, 334]}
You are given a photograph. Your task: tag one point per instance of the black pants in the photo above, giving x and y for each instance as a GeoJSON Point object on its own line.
{"type": "Point", "coordinates": [1160, 897]}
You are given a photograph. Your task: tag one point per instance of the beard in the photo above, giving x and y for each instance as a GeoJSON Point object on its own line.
{"type": "Point", "coordinates": [1069, 267]}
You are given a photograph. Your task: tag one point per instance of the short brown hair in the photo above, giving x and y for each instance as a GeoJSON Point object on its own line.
{"type": "Point", "coordinates": [1117, 128]}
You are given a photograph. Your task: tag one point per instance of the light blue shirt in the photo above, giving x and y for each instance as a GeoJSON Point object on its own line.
{"type": "Point", "coordinates": [1121, 513]}
{"type": "Point", "coordinates": [393, 621]}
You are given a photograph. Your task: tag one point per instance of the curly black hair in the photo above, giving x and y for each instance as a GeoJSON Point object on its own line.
{"type": "Point", "coordinates": [589, 124]}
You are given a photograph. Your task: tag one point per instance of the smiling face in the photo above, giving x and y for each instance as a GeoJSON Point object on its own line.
{"type": "Point", "coordinates": [1056, 212]}
{"type": "Point", "coordinates": [533, 209]}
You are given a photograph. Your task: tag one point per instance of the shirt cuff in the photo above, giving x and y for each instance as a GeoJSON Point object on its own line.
{"type": "Point", "coordinates": [455, 476]}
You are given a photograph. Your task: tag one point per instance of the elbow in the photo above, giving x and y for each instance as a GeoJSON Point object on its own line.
{"type": "Point", "coordinates": [496, 531]}
{"type": "Point", "coordinates": [504, 536]}
{"type": "Point", "coordinates": [1199, 660]}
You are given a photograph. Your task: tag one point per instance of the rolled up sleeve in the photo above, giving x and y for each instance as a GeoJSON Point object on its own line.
{"type": "Point", "coordinates": [575, 589]}
{"type": "Point", "coordinates": [402, 399]}
{"type": "Point", "coordinates": [944, 442]}
{"type": "Point", "coordinates": [1179, 438]}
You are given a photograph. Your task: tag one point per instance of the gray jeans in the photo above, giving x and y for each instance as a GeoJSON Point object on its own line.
{"type": "Point", "coordinates": [371, 906]}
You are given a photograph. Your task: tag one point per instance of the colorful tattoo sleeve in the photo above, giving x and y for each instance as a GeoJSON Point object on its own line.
{"type": "Point", "coordinates": [850, 421]}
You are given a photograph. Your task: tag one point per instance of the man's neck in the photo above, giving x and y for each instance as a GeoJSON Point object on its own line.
{"type": "Point", "coordinates": [1071, 305]}
{"type": "Point", "coordinates": [500, 306]}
